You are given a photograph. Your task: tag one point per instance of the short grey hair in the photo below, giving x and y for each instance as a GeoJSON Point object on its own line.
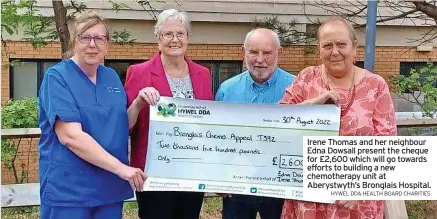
{"type": "Point", "coordinates": [172, 14]}
{"type": "Point", "coordinates": [274, 34]}
{"type": "Point", "coordinates": [333, 19]}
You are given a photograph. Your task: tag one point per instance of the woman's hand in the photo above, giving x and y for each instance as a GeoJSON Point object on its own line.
{"type": "Point", "coordinates": [347, 204]}
{"type": "Point", "coordinates": [324, 98]}
{"type": "Point", "coordinates": [148, 95]}
{"type": "Point", "coordinates": [135, 176]}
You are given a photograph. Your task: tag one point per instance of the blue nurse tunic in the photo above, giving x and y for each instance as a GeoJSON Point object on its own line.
{"type": "Point", "coordinates": [67, 94]}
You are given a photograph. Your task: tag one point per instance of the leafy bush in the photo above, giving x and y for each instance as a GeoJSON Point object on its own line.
{"type": "Point", "coordinates": [17, 114]}
{"type": "Point", "coordinates": [20, 113]}
{"type": "Point", "coordinates": [417, 84]}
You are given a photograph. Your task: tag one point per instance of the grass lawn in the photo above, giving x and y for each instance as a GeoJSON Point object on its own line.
{"type": "Point", "coordinates": [422, 209]}
{"type": "Point", "coordinates": [211, 209]}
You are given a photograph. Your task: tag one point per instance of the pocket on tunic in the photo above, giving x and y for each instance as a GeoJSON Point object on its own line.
{"type": "Point", "coordinates": [67, 185]}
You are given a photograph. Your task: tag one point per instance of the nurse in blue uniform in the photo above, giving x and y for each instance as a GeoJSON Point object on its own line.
{"type": "Point", "coordinates": [83, 149]}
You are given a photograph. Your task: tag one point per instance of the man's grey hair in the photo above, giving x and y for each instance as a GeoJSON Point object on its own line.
{"type": "Point", "coordinates": [174, 15]}
{"type": "Point", "coordinates": [275, 36]}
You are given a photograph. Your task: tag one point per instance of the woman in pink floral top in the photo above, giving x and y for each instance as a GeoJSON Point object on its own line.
{"type": "Point", "coordinates": [366, 110]}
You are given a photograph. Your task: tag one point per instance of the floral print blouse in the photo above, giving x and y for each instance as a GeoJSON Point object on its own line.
{"type": "Point", "coordinates": [371, 113]}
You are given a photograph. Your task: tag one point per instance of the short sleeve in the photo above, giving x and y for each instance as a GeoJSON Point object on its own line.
{"type": "Point", "coordinates": [296, 92]}
{"type": "Point", "coordinates": [384, 117]}
{"type": "Point", "coordinates": [56, 99]}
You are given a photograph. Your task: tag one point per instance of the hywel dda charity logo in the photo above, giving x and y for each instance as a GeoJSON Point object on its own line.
{"type": "Point", "coordinates": [166, 109]}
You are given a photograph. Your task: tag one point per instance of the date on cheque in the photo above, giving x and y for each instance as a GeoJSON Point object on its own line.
{"type": "Point", "coordinates": [304, 122]}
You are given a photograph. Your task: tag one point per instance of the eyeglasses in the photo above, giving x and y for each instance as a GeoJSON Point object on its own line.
{"type": "Point", "coordinates": [170, 35]}
{"type": "Point", "coordinates": [86, 39]}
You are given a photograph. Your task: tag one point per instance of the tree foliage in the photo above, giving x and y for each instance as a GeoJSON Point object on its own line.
{"type": "Point", "coordinates": [355, 12]}
{"type": "Point", "coordinates": [24, 14]}
{"type": "Point", "coordinates": [421, 86]}
{"type": "Point", "coordinates": [122, 37]}
{"type": "Point", "coordinates": [289, 33]}
{"type": "Point", "coordinates": [419, 12]}
{"type": "Point", "coordinates": [40, 30]}
{"type": "Point", "coordinates": [18, 114]}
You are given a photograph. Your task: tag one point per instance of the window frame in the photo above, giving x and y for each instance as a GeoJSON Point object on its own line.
{"type": "Point", "coordinates": [129, 61]}
{"type": "Point", "coordinates": [360, 63]}
{"type": "Point", "coordinates": [410, 64]}
{"type": "Point", "coordinates": [39, 72]}
{"type": "Point", "coordinates": [215, 74]}
{"type": "Point", "coordinates": [414, 65]}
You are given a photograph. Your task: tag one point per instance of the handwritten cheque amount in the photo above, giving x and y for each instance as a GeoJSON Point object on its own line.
{"type": "Point", "coordinates": [253, 149]}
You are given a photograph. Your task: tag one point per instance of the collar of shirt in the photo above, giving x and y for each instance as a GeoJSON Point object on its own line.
{"type": "Point", "coordinates": [254, 85]}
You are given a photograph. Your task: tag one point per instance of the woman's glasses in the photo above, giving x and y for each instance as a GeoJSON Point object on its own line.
{"type": "Point", "coordinates": [171, 35]}
{"type": "Point", "coordinates": [86, 39]}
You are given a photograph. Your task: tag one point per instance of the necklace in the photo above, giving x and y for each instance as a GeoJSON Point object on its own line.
{"type": "Point", "coordinates": [351, 97]}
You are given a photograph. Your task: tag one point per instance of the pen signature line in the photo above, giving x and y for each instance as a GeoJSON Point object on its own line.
{"type": "Point", "coordinates": [186, 158]}
{"type": "Point", "coordinates": [228, 164]}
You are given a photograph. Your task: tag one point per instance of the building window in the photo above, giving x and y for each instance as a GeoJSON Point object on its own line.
{"type": "Point", "coordinates": [26, 77]}
{"type": "Point", "coordinates": [27, 74]}
{"type": "Point", "coordinates": [405, 67]}
{"type": "Point", "coordinates": [221, 70]}
{"type": "Point", "coordinates": [120, 66]}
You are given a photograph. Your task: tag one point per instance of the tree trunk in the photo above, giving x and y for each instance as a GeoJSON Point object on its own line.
{"type": "Point", "coordinates": [426, 8]}
{"type": "Point", "coordinates": [61, 24]}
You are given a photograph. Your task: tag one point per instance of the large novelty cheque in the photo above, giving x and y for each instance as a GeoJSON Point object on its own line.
{"type": "Point", "coordinates": [252, 149]}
